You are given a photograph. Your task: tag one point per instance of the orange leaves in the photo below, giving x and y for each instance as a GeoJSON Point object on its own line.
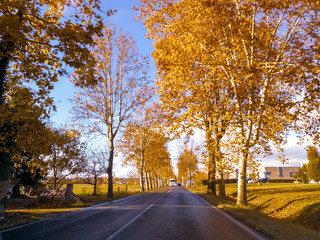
{"type": "Point", "coordinates": [240, 64]}
{"type": "Point", "coordinates": [41, 40]}
{"type": "Point", "coordinates": [187, 165]}
{"type": "Point", "coordinates": [144, 143]}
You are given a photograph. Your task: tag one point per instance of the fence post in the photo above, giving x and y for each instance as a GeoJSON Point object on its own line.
{"type": "Point", "coordinates": [118, 191]}
{"type": "Point", "coordinates": [38, 196]}
{"type": "Point", "coordinates": [127, 189]}
{"type": "Point", "coordinates": [69, 191]}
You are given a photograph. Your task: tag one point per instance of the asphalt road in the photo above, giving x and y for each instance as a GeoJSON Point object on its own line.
{"type": "Point", "coordinates": [170, 213]}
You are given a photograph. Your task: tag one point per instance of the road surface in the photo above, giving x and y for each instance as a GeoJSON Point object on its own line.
{"type": "Point", "coordinates": [169, 213]}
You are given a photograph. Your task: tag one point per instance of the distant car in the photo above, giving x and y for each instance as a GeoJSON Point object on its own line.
{"type": "Point", "coordinates": [250, 180]}
{"type": "Point", "coordinates": [179, 184]}
{"type": "Point", "coordinates": [263, 180]}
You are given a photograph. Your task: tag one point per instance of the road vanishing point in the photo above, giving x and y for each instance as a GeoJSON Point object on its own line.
{"type": "Point", "coordinates": [167, 213]}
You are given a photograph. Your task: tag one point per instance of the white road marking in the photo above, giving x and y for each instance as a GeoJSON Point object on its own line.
{"type": "Point", "coordinates": [24, 225]}
{"type": "Point", "coordinates": [240, 224]}
{"type": "Point", "coordinates": [136, 217]}
{"type": "Point", "coordinates": [68, 213]}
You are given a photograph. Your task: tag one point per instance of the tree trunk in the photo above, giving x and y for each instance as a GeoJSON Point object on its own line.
{"type": "Point", "coordinates": [242, 180]}
{"type": "Point", "coordinates": [222, 186]}
{"type": "Point", "coordinates": [157, 183]}
{"type": "Point", "coordinates": [218, 158]}
{"type": "Point", "coordinates": [141, 180]}
{"type": "Point", "coordinates": [110, 170]}
{"type": "Point", "coordinates": [212, 174]}
{"type": "Point", "coordinates": [212, 161]}
{"type": "Point", "coordinates": [95, 185]}
{"type": "Point", "coordinates": [150, 181]}
{"type": "Point", "coordinates": [141, 172]}
{"type": "Point", "coordinates": [147, 182]}
{"type": "Point", "coordinates": [154, 182]}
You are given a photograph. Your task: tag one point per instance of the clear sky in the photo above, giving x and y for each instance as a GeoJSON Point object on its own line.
{"type": "Point", "coordinates": [124, 18]}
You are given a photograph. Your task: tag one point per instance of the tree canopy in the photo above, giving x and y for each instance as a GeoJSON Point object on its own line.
{"type": "Point", "coordinates": [38, 38]}
{"type": "Point", "coordinates": [144, 145]}
{"type": "Point", "coordinates": [260, 58]}
{"type": "Point", "coordinates": [187, 165]}
{"type": "Point", "coordinates": [122, 85]}
{"type": "Point", "coordinates": [313, 167]}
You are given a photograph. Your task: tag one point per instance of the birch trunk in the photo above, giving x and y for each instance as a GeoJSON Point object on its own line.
{"type": "Point", "coordinates": [110, 170]}
{"type": "Point", "coordinates": [141, 180]}
{"type": "Point", "coordinates": [211, 174]}
{"type": "Point", "coordinates": [242, 179]}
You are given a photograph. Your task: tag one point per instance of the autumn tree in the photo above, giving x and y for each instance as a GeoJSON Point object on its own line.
{"type": "Point", "coordinates": [187, 165]}
{"type": "Point", "coordinates": [200, 178]}
{"type": "Point", "coordinates": [303, 174]}
{"type": "Point", "coordinates": [66, 156]}
{"type": "Point", "coordinates": [38, 38]}
{"type": "Point", "coordinates": [158, 167]}
{"type": "Point", "coordinates": [262, 67]}
{"type": "Point", "coordinates": [95, 166]}
{"type": "Point", "coordinates": [143, 143]}
{"type": "Point", "coordinates": [121, 87]}
{"type": "Point", "coordinates": [191, 89]}
{"type": "Point", "coordinates": [313, 167]}
{"type": "Point", "coordinates": [265, 52]}
{"type": "Point", "coordinates": [137, 137]}
{"type": "Point", "coordinates": [24, 134]}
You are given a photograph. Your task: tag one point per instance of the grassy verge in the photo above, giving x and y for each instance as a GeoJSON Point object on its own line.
{"type": "Point", "coordinates": [102, 189]}
{"type": "Point", "coordinates": [17, 217]}
{"type": "Point", "coordinates": [280, 211]}
{"type": "Point", "coordinates": [33, 212]}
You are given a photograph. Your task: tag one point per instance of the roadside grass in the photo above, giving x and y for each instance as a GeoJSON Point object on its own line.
{"type": "Point", "coordinates": [280, 211]}
{"type": "Point", "coordinates": [16, 217]}
{"type": "Point", "coordinates": [102, 189]}
{"type": "Point", "coordinates": [50, 208]}
{"type": "Point", "coordinates": [85, 192]}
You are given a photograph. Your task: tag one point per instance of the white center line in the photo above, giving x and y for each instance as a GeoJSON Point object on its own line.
{"type": "Point", "coordinates": [135, 218]}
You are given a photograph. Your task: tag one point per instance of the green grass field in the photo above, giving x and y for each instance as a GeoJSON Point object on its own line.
{"type": "Point", "coordinates": [102, 189]}
{"type": "Point", "coordinates": [275, 209]}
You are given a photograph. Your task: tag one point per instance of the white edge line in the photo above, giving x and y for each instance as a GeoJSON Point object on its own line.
{"type": "Point", "coordinates": [135, 218]}
{"type": "Point", "coordinates": [82, 209]}
{"type": "Point", "coordinates": [24, 225]}
{"type": "Point", "coordinates": [240, 224]}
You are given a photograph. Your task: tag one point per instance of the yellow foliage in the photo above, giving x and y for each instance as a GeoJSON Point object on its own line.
{"type": "Point", "coordinates": [236, 69]}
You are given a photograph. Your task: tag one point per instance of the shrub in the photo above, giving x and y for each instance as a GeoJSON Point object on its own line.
{"type": "Point", "coordinates": [302, 174]}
